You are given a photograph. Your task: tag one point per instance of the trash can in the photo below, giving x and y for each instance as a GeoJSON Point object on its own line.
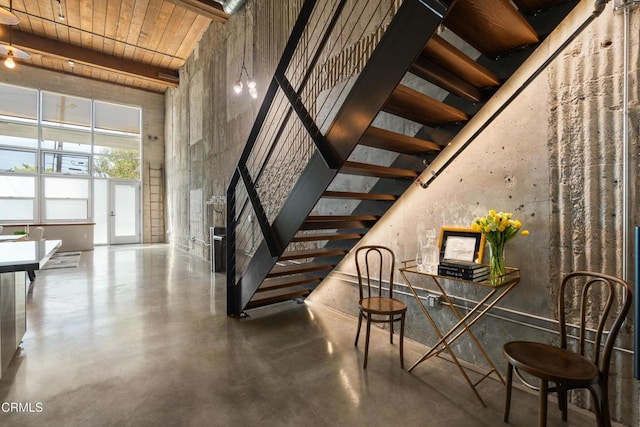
{"type": "Point", "coordinates": [218, 238]}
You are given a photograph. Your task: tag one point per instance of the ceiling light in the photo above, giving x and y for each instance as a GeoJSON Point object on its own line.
{"type": "Point", "coordinates": [7, 17]}
{"type": "Point", "coordinates": [10, 63]}
{"type": "Point", "coordinates": [71, 63]}
{"type": "Point", "coordinates": [237, 88]}
{"type": "Point", "coordinates": [251, 83]}
{"type": "Point", "coordinates": [12, 54]}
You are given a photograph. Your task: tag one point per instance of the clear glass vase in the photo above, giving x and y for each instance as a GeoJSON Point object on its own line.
{"type": "Point", "coordinates": [497, 266]}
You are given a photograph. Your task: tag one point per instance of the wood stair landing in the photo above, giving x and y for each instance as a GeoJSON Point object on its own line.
{"type": "Point", "coordinates": [420, 108]}
{"type": "Point", "coordinates": [287, 282]}
{"type": "Point", "coordinates": [392, 141]}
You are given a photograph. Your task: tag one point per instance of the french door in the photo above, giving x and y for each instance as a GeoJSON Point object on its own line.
{"type": "Point", "coordinates": [116, 211]}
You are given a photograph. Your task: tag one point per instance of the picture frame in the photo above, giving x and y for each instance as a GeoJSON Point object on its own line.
{"type": "Point", "coordinates": [461, 244]}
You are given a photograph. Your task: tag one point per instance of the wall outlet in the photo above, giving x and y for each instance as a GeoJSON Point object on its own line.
{"type": "Point", "coordinates": [434, 301]}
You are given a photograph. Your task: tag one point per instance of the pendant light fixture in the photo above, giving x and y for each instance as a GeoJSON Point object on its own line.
{"type": "Point", "coordinates": [7, 17]}
{"type": "Point", "coordinates": [10, 51]}
{"type": "Point", "coordinates": [250, 82]}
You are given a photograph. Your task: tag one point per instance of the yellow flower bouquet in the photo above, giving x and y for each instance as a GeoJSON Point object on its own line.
{"type": "Point", "coordinates": [498, 228]}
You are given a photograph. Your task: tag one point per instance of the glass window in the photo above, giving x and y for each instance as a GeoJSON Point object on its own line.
{"type": "Point", "coordinates": [66, 199]}
{"type": "Point", "coordinates": [18, 134]}
{"type": "Point", "coordinates": [56, 210]}
{"type": "Point", "coordinates": [68, 164]}
{"type": "Point", "coordinates": [17, 209]}
{"type": "Point", "coordinates": [18, 102]}
{"type": "Point", "coordinates": [120, 118]}
{"type": "Point", "coordinates": [17, 186]}
{"type": "Point", "coordinates": [17, 198]}
{"type": "Point", "coordinates": [116, 167]}
{"type": "Point", "coordinates": [17, 161]}
{"type": "Point", "coordinates": [65, 110]}
{"type": "Point", "coordinates": [121, 145]}
{"type": "Point", "coordinates": [60, 139]}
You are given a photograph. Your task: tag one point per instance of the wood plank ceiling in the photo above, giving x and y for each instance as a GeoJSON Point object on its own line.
{"type": "Point", "coordinates": [134, 43]}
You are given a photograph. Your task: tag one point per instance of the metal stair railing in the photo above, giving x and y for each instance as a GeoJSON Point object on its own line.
{"type": "Point", "coordinates": [290, 159]}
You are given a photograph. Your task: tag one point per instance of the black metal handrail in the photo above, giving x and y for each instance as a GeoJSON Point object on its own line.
{"type": "Point", "coordinates": [382, 73]}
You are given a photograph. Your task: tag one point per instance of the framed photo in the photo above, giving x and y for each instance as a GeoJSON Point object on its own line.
{"type": "Point", "coordinates": [461, 244]}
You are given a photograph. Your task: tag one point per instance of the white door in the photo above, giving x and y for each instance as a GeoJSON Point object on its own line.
{"type": "Point", "coordinates": [124, 212]}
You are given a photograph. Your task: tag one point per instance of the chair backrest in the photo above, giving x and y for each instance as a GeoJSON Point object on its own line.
{"type": "Point", "coordinates": [603, 302]}
{"type": "Point", "coordinates": [37, 233]}
{"type": "Point", "coordinates": [374, 259]}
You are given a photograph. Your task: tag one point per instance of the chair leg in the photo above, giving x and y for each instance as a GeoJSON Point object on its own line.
{"type": "Point", "coordinates": [507, 398]}
{"type": "Point", "coordinates": [402, 341]}
{"type": "Point", "coordinates": [391, 322]}
{"type": "Point", "coordinates": [562, 403]}
{"type": "Point", "coordinates": [542, 404]}
{"type": "Point", "coordinates": [359, 325]}
{"type": "Point", "coordinates": [366, 343]}
{"type": "Point", "coordinates": [605, 418]}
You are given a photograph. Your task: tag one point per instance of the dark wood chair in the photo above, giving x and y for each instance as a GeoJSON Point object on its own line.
{"type": "Point", "coordinates": [604, 302]}
{"type": "Point", "coordinates": [373, 305]}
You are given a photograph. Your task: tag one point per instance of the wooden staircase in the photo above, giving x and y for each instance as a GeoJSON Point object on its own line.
{"type": "Point", "coordinates": [503, 32]}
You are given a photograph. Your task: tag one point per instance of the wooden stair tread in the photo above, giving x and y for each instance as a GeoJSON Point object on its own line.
{"type": "Point", "coordinates": [307, 237]}
{"type": "Point", "coordinates": [359, 196]}
{"type": "Point", "coordinates": [286, 282]}
{"type": "Point", "coordinates": [276, 295]}
{"type": "Point", "coordinates": [330, 222]}
{"type": "Point", "coordinates": [289, 269]}
{"type": "Point", "coordinates": [393, 141]}
{"type": "Point", "coordinates": [366, 169]}
{"type": "Point", "coordinates": [452, 59]}
{"type": "Point", "coordinates": [323, 218]}
{"type": "Point", "coordinates": [494, 27]}
{"type": "Point", "coordinates": [311, 253]}
{"type": "Point", "coordinates": [420, 108]}
{"type": "Point", "coordinates": [434, 73]}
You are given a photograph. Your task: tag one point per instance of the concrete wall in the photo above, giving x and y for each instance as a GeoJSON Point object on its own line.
{"type": "Point", "coordinates": [554, 159]}
{"type": "Point", "coordinates": [152, 118]}
{"type": "Point", "coordinates": [207, 124]}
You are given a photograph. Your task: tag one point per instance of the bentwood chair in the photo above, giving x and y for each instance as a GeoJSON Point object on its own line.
{"type": "Point", "coordinates": [375, 264]}
{"type": "Point", "coordinates": [604, 302]}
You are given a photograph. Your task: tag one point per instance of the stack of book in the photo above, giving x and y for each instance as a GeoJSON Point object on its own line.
{"type": "Point", "coordinates": [463, 270]}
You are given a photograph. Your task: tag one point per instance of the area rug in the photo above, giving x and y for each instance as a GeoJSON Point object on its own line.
{"type": "Point", "coordinates": [63, 260]}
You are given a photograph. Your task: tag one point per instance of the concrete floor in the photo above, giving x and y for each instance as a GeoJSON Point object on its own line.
{"type": "Point", "coordinates": [137, 335]}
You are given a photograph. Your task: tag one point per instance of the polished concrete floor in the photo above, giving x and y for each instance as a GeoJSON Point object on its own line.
{"type": "Point", "coordinates": [138, 336]}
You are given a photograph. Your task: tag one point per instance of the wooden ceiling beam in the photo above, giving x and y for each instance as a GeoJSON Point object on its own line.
{"type": "Point", "coordinates": [47, 47]}
{"type": "Point", "coordinates": [208, 8]}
